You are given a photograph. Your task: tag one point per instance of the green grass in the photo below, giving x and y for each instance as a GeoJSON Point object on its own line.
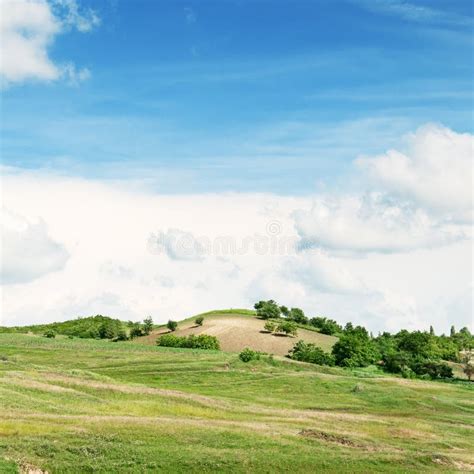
{"type": "Point", "coordinates": [97, 406]}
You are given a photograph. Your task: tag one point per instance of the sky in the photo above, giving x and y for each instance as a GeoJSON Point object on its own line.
{"type": "Point", "coordinates": [164, 158]}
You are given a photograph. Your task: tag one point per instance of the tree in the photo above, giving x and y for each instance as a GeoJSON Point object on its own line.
{"type": "Point", "coordinates": [285, 311]}
{"type": "Point", "coordinates": [354, 350]}
{"type": "Point", "coordinates": [325, 326]}
{"type": "Point", "coordinates": [267, 309]}
{"type": "Point", "coordinates": [199, 320]}
{"type": "Point", "coordinates": [452, 332]}
{"type": "Point", "coordinates": [468, 365]}
{"type": "Point", "coordinates": [50, 334]}
{"type": "Point", "coordinates": [172, 325]}
{"type": "Point", "coordinates": [248, 354]}
{"type": "Point", "coordinates": [288, 327]}
{"type": "Point", "coordinates": [432, 333]}
{"type": "Point", "coordinates": [297, 315]}
{"type": "Point", "coordinates": [269, 326]}
{"type": "Point", "coordinates": [147, 325]}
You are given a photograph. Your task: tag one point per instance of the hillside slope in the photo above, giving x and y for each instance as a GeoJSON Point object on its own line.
{"type": "Point", "coordinates": [84, 405]}
{"type": "Point", "coordinates": [237, 331]}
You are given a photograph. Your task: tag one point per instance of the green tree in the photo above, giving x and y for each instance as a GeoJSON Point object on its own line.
{"type": "Point", "coordinates": [136, 330]}
{"type": "Point", "coordinates": [172, 325]}
{"type": "Point", "coordinates": [147, 325]}
{"type": "Point", "coordinates": [452, 332]}
{"type": "Point", "coordinates": [285, 311]}
{"type": "Point", "coordinates": [287, 327]}
{"type": "Point", "coordinates": [297, 315]}
{"type": "Point", "coordinates": [307, 352]}
{"type": "Point", "coordinates": [432, 333]}
{"type": "Point", "coordinates": [50, 334]}
{"type": "Point", "coordinates": [354, 350]}
{"type": "Point", "coordinates": [267, 309]}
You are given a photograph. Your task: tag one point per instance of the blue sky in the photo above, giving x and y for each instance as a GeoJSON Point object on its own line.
{"type": "Point", "coordinates": [242, 95]}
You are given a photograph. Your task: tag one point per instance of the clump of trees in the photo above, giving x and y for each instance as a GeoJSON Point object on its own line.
{"type": "Point", "coordinates": [201, 341]}
{"type": "Point", "coordinates": [410, 354]}
{"type": "Point", "coordinates": [326, 326]}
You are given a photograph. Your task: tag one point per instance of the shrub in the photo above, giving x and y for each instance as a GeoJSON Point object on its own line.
{"type": "Point", "coordinates": [433, 369]}
{"type": "Point", "coordinates": [308, 352]}
{"type": "Point", "coordinates": [269, 326]}
{"type": "Point", "coordinates": [199, 320]}
{"type": "Point", "coordinates": [287, 327]}
{"type": "Point", "coordinates": [49, 334]}
{"type": "Point", "coordinates": [172, 325]}
{"type": "Point", "coordinates": [135, 331]}
{"type": "Point", "coordinates": [248, 354]}
{"type": "Point", "coordinates": [202, 341]}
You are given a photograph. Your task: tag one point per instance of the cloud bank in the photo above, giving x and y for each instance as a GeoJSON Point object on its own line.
{"type": "Point", "coordinates": [390, 256]}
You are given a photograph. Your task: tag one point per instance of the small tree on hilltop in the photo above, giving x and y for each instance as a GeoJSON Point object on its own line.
{"type": "Point", "coordinates": [297, 315]}
{"type": "Point", "coordinates": [172, 325]}
{"type": "Point", "coordinates": [199, 320]}
{"type": "Point", "coordinates": [285, 311]}
{"type": "Point", "coordinates": [147, 325]}
{"type": "Point", "coordinates": [267, 309]}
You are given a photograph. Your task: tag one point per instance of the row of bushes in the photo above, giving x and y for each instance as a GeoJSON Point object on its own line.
{"type": "Point", "coordinates": [202, 341]}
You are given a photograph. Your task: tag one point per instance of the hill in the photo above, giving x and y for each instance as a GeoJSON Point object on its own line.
{"type": "Point", "coordinates": [84, 405]}
{"type": "Point", "coordinates": [238, 329]}
{"type": "Point", "coordinates": [90, 327]}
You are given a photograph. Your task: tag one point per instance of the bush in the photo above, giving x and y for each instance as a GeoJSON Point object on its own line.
{"type": "Point", "coordinates": [203, 341]}
{"type": "Point", "coordinates": [248, 354]}
{"type": "Point", "coordinates": [199, 320]}
{"type": "Point", "coordinates": [135, 331]}
{"type": "Point", "coordinates": [308, 352]}
{"type": "Point", "coordinates": [297, 315]}
{"type": "Point", "coordinates": [287, 327]}
{"type": "Point", "coordinates": [433, 369]}
{"type": "Point", "coordinates": [172, 325]}
{"type": "Point", "coordinates": [49, 334]}
{"type": "Point", "coordinates": [269, 326]}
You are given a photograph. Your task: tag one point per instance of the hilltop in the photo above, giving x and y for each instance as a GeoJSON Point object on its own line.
{"type": "Point", "coordinates": [238, 329]}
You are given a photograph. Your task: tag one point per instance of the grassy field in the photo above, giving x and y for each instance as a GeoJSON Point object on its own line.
{"type": "Point", "coordinates": [97, 406]}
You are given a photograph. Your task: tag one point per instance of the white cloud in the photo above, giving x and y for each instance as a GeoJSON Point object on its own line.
{"type": "Point", "coordinates": [28, 28]}
{"type": "Point", "coordinates": [436, 172]}
{"type": "Point", "coordinates": [383, 259]}
{"type": "Point", "coordinates": [28, 252]}
{"type": "Point", "coordinates": [370, 224]}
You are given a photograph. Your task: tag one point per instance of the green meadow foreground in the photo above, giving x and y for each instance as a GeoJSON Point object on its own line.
{"type": "Point", "coordinates": [79, 405]}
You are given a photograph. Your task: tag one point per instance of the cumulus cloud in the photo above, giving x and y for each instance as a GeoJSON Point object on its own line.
{"type": "Point", "coordinates": [370, 223]}
{"type": "Point", "coordinates": [28, 252]}
{"type": "Point", "coordinates": [413, 251]}
{"type": "Point", "coordinates": [28, 28]}
{"type": "Point", "coordinates": [435, 172]}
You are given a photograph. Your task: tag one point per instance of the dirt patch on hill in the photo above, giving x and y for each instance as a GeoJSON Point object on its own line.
{"type": "Point", "coordinates": [238, 332]}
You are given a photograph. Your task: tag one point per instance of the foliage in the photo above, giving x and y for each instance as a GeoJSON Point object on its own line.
{"type": "Point", "coordinates": [297, 315]}
{"type": "Point", "coordinates": [147, 325]}
{"type": "Point", "coordinates": [325, 325]}
{"type": "Point", "coordinates": [136, 330]}
{"type": "Point", "coordinates": [308, 352]}
{"type": "Point", "coordinates": [202, 341]}
{"type": "Point", "coordinates": [86, 328]}
{"type": "Point", "coordinates": [287, 327]}
{"type": "Point", "coordinates": [248, 354]}
{"type": "Point", "coordinates": [468, 365]}
{"type": "Point", "coordinates": [199, 320]}
{"type": "Point", "coordinates": [285, 311]}
{"type": "Point", "coordinates": [355, 349]}
{"type": "Point", "coordinates": [267, 309]}
{"type": "Point", "coordinates": [270, 326]}
{"type": "Point", "coordinates": [49, 333]}
{"type": "Point", "coordinates": [172, 325]}
{"type": "Point", "coordinates": [432, 369]}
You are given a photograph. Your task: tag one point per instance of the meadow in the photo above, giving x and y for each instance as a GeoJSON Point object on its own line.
{"type": "Point", "coordinates": [83, 405]}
